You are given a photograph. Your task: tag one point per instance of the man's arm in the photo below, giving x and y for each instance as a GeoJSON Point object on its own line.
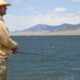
{"type": "Point", "coordinates": [5, 39]}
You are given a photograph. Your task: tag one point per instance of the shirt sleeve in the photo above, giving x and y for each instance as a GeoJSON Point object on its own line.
{"type": "Point", "coordinates": [5, 39]}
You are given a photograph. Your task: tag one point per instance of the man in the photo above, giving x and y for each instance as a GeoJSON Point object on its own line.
{"type": "Point", "coordinates": [7, 45]}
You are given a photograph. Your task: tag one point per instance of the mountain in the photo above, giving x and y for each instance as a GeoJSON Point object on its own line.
{"type": "Point", "coordinates": [40, 27]}
{"type": "Point", "coordinates": [48, 28]}
{"type": "Point", "coordinates": [69, 27]}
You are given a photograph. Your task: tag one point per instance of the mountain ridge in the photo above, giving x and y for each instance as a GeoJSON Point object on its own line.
{"type": "Point", "coordinates": [50, 28]}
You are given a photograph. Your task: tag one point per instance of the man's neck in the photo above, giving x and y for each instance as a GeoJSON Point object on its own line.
{"type": "Point", "coordinates": [1, 17]}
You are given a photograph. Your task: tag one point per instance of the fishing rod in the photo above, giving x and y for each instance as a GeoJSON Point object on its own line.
{"type": "Point", "coordinates": [20, 52]}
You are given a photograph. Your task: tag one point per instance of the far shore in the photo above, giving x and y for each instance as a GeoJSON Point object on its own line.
{"type": "Point", "coordinates": [67, 32]}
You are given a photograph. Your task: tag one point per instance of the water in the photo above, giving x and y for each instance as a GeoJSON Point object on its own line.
{"type": "Point", "coordinates": [58, 58]}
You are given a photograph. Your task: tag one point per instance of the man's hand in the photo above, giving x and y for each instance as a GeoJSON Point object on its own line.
{"type": "Point", "coordinates": [15, 48]}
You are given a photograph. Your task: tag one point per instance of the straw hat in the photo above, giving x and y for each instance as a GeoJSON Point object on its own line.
{"type": "Point", "coordinates": [4, 3]}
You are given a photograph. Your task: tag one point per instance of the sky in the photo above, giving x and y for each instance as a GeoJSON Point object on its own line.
{"type": "Point", "coordinates": [24, 14]}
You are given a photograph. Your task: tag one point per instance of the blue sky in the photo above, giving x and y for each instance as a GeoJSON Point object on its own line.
{"type": "Point", "coordinates": [26, 13]}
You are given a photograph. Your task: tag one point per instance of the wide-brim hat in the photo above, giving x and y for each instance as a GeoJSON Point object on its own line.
{"type": "Point", "coordinates": [4, 3]}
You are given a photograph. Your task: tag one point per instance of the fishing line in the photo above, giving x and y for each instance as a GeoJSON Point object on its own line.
{"type": "Point", "coordinates": [20, 52]}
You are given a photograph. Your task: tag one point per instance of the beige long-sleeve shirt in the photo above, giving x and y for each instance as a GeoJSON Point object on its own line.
{"type": "Point", "coordinates": [6, 43]}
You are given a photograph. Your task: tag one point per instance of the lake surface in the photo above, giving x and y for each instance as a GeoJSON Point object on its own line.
{"type": "Point", "coordinates": [46, 58]}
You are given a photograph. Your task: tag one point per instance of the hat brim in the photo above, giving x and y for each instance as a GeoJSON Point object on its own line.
{"type": "Point", "coordinates": [5, 4]}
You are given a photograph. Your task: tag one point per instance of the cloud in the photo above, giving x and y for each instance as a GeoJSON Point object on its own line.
{"type": "Point", "coordinates": [51, 18]}
{"type": "Point", "coordinates": [16, 1]}
{"type": "Point", "coordinates": [76, 0]}
{"type": "Point", "coordinates": [30, 8]}
{"type": "Point", "coordinates": [31, 11]}
{"type": "Point", "coordinates": [60, 9]}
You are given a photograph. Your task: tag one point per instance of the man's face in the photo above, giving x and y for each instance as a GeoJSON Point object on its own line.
{"type": "Point", "coordinates": [3, 10]}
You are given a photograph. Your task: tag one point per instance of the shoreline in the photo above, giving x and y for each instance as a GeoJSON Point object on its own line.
{"type": "Point", "coordinates": [54, 33]}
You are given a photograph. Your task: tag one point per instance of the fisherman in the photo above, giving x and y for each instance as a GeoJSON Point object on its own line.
{"type": "Point", "coordinates": [7, 45]}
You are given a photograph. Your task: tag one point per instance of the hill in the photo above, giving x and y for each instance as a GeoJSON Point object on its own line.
{"type": "Point", "coordinates": [50, 28]}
